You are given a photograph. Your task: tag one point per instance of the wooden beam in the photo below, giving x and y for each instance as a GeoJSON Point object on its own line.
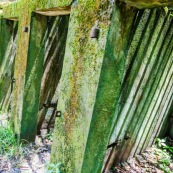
{"type": "Point", "coordinates": [55, 11]}
{"type": "Point", "coordinates": [148, 3]}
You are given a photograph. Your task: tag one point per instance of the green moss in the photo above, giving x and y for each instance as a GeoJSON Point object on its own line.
{"type": "Point", "coordinates": [20, 8]}
{"type": "Point", "coordinates": [109, 88]}
{"type": "Point", "coordinates": [79, 82]}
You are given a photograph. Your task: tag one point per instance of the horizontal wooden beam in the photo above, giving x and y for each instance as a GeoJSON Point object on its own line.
{"type": "Point", "coordinates": [55, 11]}
{"type": "Point", "coordinates": [148, 3]}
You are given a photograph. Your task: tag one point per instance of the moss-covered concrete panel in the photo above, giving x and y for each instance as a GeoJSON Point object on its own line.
{"type": "Point", "coordinates": [33, 76]}
{"type": "Point", "coordinates": [22, 11]}
{"type": "Point", "coordinates": [109, 88]}
{"type": "Point", "coordinates": [15, 9]}
{"type": "Point", "coordinates": [20, 65]}
{"type": "Point", "coordinates": [79, 82]}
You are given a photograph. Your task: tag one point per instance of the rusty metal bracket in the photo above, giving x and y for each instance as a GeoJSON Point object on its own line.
{"type": "Point", "coordinates": [116, 143]}
{"type": "Point", "coordinates": [55, 113]}
{"type": "Point", "coordinates": [58, 114]}
{"type": "Point", "coordinates": [13, 80]}
{"type": "Point", "coordinates": [127, 136]}
{"type": "Point", "coordinates": [50, 105]}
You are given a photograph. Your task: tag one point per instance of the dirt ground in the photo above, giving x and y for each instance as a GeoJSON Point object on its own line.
{"type": "Point", "coordinates": [153, 160]}
{"type": "Point", "coordinates": [34, 158]}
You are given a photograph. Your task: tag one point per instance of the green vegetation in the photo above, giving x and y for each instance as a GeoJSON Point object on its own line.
{"type": "Point", "coordinates": [165, 153]}
{"type": "Point", "coordinates": [8, 144]}
{"type": "Point", "coordinates": [167, 11]}
{"type": "Point", "coordinates": [53, 168]}
{"type": "Point", "coordinates": [48, 136]}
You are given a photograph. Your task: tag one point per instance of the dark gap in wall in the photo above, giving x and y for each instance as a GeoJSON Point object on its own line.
{"type": "Point", "coordinates": [8, 46]}
{"type": "Point", "coordinates": [56, 33]}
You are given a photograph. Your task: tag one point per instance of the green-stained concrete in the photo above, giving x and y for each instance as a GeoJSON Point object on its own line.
{"type": "Point", "coordinates": [34, 72]}
{"type": "Point", "coordinates": [96, 95]}
{"type": "Point", "coordinates": [79, 82]}
{"type": "Point", "coordinates": [57, 30]}
{"type": "Point", "coordinates": [22, 11]}
{"type": "Point", "coordinates": [146, 93]}
{"type": "Point", "coordinates": [145, 96]}
{"type": "Point", "coordinates": [85, 59]}
{"type": "Point", "coordinates": [5, 35]}
{"type": "Point", "coordinates": [14, 9]}
{"type": "Point", "coordinates": [109, 88]}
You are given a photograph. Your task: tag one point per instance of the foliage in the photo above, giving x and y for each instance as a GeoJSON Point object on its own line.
{"type": "Point", "coordinates": [162, 143]}
{"type": "Point", "coordinates": [53, 168]}
{"type": "Point", "coordinates": [8, 144]}
{"type": "Point", "coordinates": [48, 136]}
{"type": "Point", "coordinates": [166, 9]}
{"type": "Point", "coordinates": [164, 152]}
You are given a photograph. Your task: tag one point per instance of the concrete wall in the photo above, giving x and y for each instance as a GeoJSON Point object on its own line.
{"type": "Point", "coordinates": [114, 89]}
{"type": "Point", "coordinates": [146, 91]}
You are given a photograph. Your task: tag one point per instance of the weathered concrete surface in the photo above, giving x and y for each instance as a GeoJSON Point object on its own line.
{"type": "Point", "coordinates": [91, 80]}
{"type": "Point", "coordinates": [33, 76]}
{"type": "Point", "coordinates": [14, 9]}
{"type": "Point", "coordinates": [79, 83]}
{"type": "Point", "coordinates": [109, 88]}
{"type": "Point", "coordinates": [22, 10]}
{"type": "Point", "coordinates": [148, 3]}
{"type": "Point", "coordinates": [55, 11]}
{"type": "Point", "coordinates": [147, 90]}
{"type": "Point", "coordinates": [20, 67]}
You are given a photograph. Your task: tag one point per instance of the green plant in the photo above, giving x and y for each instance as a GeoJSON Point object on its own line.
{"type": "Point", "coordinates": [164, 160]}
{"type": "Point", "coordinates": [48, 136]}
{"type": "Point", "coordinates": [164, 152]}
{"type": "Point", "coordinates": [8, 144]}
{"type": "Point", "coordinates": [166, 9]}
{"type": "Point", "coordinates": [53, 168]}
{"type": "Point", "coordinates": [161, 143]}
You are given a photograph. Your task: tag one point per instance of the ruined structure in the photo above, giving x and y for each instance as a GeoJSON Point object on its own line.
{"type": "Point", "coordinates": [112, 91]}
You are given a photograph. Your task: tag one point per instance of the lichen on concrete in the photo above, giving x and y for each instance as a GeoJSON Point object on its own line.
{"type": "Point", "coordinates": [79, 82]}
{"type": "Point", "coordinates": [22, 10]}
